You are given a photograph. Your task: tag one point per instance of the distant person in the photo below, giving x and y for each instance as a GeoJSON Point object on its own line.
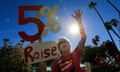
{"type": "Point", "coordinates": [70, 61]}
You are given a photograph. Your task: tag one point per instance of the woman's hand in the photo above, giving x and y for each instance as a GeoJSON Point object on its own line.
{"type": "Point", "coordinates": [78, 16]}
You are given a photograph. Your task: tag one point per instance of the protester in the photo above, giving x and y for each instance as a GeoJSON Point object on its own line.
{"type": "Point", "coordinates": [70, 61]}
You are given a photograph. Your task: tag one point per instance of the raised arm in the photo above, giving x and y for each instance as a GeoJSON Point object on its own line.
{"type": "Point", "coordinates": [78, 18]}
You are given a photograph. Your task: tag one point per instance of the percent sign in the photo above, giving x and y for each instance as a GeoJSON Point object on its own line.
{"type": "Point", "coordinates": [50, 24]}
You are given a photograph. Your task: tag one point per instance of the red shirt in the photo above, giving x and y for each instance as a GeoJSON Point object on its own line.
{"type": "Point", "coordinates": [69, 63]}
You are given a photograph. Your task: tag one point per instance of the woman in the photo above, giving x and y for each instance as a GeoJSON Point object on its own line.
{"type": "Point", "coordinates": [70, 61]}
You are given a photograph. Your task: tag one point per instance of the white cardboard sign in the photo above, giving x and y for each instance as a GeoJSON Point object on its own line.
{"type": "Point", "coordinates": [38, 52]}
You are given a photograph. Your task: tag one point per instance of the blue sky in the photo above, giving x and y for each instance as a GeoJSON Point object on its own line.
{"type": "Point", "coordinates": [9, 26]}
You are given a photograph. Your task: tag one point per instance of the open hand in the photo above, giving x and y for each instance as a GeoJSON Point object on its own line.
{"type": "Point", "coordinates": [78, 15]}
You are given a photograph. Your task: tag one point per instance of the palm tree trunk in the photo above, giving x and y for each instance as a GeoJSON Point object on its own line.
{"type": "Point", "coordinates": [104, 24]}
{"type": "Point", "coordinates": [114, 7]}
{"type": "Point", "coordinates": [115, 33]}
{"type": "Point", "coordinates": [99, 15]}
{"type": "Point", "coordinates": [105, 27]}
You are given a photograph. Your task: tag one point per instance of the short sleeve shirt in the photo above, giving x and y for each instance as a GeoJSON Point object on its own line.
{"type": "Point", "coordinates": [69, 63]}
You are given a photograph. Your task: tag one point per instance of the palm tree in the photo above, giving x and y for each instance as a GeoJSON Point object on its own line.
{"type": "Point", "coordinates": [109, 25]}
{"type": "Point", "coordinates": [116, 10]}
{"type": "Point", "coordinates": [114, 7]}
{"type": "Point", "coordinates": [96, 40]}
{"type": "Point", "coordinates": [92, 5]}
{"type": "Point", "coordinates": [114, 23]}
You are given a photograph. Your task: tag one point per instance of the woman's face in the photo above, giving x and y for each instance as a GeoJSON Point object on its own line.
{"type": "Point", "coordinates": [64, 47]}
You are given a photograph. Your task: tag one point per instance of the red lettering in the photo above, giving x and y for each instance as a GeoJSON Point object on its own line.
{"type": "Point", "coordinates": [36, 55]}
{"type": "Point", "coordinates": [46, 53]}
{"type": "Point", "coordinates": [54, 51]}
{"type": "Point", "coordinates": [31, 55]}
{"type": "Point", "coordinates": [27, 54]}
{"type": "Point", "coordinates": [23, 21]}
